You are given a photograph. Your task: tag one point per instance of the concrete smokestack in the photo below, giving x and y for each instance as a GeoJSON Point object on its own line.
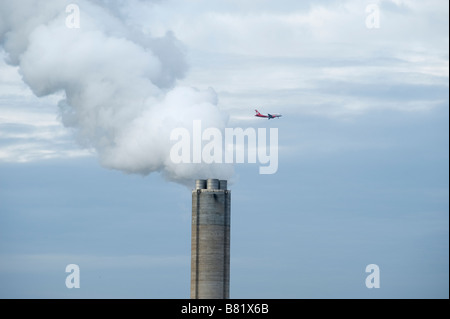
{"type": "Point", "coordinates": [210, 241]}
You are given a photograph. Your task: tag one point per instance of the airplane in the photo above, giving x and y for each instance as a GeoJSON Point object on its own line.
{"type": "Point", "coordinates": [268, 116]}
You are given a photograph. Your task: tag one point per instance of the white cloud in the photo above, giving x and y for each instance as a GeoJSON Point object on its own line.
{"type": "Point", "coordinates": [286, 59]}
{"type": "Point", "coordinates": [320, 29]}
{"type": "Point", "coordinates": [29, 127]}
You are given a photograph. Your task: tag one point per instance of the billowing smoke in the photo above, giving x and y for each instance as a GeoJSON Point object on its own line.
{"type": "Point", "coordinates": [120, 85]}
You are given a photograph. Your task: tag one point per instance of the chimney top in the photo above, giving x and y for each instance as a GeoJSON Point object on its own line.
{"type": "Point", "coordinates": [211, 184]}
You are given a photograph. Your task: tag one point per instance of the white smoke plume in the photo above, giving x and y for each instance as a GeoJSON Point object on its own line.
{"type": "Point", "coordinates": [120, 85]}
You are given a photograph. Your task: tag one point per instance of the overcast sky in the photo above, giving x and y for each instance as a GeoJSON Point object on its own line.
{"type": "Point", "coordinates": [363, 145]}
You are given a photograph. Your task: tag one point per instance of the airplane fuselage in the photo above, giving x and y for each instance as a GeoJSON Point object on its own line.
{"type": "Point", "coordinates": [268, 116]}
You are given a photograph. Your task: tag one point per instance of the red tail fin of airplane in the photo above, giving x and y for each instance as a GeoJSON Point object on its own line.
{"type": "Point", "coordinates": [257, 112]}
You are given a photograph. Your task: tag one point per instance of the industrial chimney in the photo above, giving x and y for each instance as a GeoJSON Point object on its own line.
{"type": "Point", "coordinates": [210, 241]}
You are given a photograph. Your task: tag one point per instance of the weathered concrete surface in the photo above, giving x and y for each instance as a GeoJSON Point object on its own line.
{"type": "Point", "coordinates": [210, 241]}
